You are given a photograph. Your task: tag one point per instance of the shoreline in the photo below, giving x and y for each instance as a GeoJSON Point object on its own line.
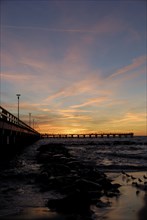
{"type": "Point", "coordinates": [131, 204]}
{"type": "Point", "coordinates": [51, 167]}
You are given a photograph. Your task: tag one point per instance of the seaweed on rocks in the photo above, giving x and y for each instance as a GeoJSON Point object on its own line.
{"type": "Point", "coordinates": [80, 184]}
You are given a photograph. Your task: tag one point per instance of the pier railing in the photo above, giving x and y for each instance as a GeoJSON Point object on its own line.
{"type": "Point", "coordinates": [10, 118]}
{"type": "Point", "coordinates": [14, 131]}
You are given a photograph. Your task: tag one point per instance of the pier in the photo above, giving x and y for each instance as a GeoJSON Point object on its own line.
{"type": "Point", "coordinates": [14, 131]}
{"type": "Point", "coordinates": [95, 135]}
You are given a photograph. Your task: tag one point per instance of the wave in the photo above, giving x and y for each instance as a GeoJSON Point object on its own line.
{"type": "Point", "coordinates": [110, 168]}
{"type": "Point", "coordinates": [129, 156]}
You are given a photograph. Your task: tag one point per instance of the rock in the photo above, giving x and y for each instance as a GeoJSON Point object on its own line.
{"type": "Point", "coordinates": [77, 202]}
{"type": "Point", "coordinates": [81, 183]}
{"type": "Point", "coordinates": [101, 204]}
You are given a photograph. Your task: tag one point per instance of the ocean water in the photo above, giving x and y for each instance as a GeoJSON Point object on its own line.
{"type": "Point", "coordinates": [18, 190]}
{"type": "Point", "coordinates": [109, 154]}
{"type": "Point", "coordinates": [113, 154]}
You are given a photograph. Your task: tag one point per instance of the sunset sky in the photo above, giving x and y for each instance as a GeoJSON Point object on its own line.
{"type": "Point", "coordinates": [80, 66]}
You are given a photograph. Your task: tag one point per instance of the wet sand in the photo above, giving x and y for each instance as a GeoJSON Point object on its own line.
{"type": "Point", "coordinates": [131, 204]}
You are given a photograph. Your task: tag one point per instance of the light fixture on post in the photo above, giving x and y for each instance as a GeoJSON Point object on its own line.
{"type": "Point", "coordinates": [30, 119]}
{"type": "Point", "coordinates": [18, 95]}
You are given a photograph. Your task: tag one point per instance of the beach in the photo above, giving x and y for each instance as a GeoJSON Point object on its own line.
{"type": "Point", "coordinates": [22, 198]}
{"type": "Point", "coordinates": [129, 205]}
{"type": "Point", "coordinates": [132, 203]}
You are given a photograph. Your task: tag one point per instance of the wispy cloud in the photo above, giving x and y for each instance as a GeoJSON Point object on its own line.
{"type": "Point", "coordinates": [137, 62]}
{"type": "Point", "coordinates": [64, 66]}
{"type": "Point", "coordinates": [104, 26]}
{"type": "Point", "coordinates": [132, 117]}
{"type": "Point", "coordinates": [49, 29]}
{"type": "Point", "coordinates": [15, 77]}
{"type": "Point", "coordinates": [107, 24]}
{"type": "Point", "coordinates": [75, 89]}
{"type": "Point", "coordinates": [93, 101]}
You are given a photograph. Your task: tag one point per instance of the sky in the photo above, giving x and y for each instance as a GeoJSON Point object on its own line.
{"type": "Point", "coordinates": [80, 66]}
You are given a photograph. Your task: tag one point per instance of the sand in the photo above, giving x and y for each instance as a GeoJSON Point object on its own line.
{"type": "Point", "coordinates": [131, 204]}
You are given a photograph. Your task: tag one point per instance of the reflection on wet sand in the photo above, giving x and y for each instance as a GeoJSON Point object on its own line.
{"type": "Point", "coordinates": [129, 205]}
{"type": "Point", "coordinates": [41, 213]}
{"type": "Point", "coordinates": [142, 214]}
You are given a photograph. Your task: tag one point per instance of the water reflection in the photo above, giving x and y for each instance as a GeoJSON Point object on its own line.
{"type": "Point", "coordinates": [128, 204]}
{"type": "Point", "coordinates": [142, 214]}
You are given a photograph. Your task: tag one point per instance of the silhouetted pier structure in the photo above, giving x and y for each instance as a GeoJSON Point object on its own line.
{"type": "Point", "coordinates": [14, 131]}
{"type": "Point", "coordinates": [95, 135]}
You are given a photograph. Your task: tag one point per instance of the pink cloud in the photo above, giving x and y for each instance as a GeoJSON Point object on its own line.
{"type": "Point", "coordinates": [109, 24]}
{"type": "Point", "coordinates": [16, 77]}
{"type": "Point", "coordinates": [137, 62]}
{"type": "Point", "coordinates": [6, 59]}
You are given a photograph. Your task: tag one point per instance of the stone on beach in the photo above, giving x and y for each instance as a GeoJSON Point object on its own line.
{"type": "Point", "coordinates": [80, 184]}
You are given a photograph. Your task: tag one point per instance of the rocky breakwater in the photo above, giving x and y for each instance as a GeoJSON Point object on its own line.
{"type": "Point", "coordinates": [80, 185]}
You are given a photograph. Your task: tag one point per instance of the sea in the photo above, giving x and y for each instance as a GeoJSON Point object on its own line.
{"type": "Point", "coordinates": [17, 180]}
{"type": "Point", "coordinates": [110, 154]}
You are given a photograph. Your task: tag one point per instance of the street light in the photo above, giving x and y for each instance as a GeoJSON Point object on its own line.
{"type": "Point", "coordinates": [30, 119]}
{"type": "Point", "coordinates": [33, 123]}
{"type": "Point", "coordinates": [18, 95]}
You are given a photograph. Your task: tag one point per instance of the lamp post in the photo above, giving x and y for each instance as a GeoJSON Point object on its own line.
{"type": "Point", "coordinates": [30, 119]}
{"type": "Point", "coordinates": [18, 95]}
{"type": "Point", "coordinates": [33, 123]}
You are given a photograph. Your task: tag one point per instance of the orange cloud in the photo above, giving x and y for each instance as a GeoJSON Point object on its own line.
{"type": "Point", "coordinates": [91, 102]}
{"type": "Point", "coordinates": [132, 117]}
{"type": "Point", "coordinates": [75, 89]}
